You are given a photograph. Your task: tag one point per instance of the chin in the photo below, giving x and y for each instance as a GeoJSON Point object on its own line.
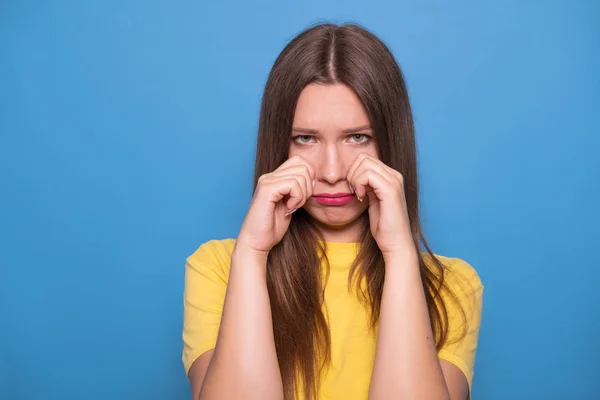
{"type": "Point", "coordinates": [335, 217]}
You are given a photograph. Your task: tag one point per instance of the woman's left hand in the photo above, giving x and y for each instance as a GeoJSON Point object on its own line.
{"type": "Point", "coordinates": [388, 215]}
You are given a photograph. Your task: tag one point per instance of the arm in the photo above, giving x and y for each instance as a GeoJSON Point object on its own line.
{"type": "Point", "coordinates": [244, 363]}
{"type": "Point", "coordinates": [406, 362]}
{"type": "Point", "coordinates": [198, 372]}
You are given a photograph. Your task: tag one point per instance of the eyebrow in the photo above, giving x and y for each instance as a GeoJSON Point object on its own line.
{"type": "Point", "coordinates": [315, 131]}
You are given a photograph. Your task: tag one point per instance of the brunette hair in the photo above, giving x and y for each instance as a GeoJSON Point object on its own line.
{"type": "Point", "coordinates": [351, 55]}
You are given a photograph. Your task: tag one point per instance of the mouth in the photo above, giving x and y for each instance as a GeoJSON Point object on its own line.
{"type": "Point", "coordinates": [334, 199]}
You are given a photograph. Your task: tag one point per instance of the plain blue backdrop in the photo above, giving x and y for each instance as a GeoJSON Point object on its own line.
{"type": "Point", "coordinates": [127, 139]}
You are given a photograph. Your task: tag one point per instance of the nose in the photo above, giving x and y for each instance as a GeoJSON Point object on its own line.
{"type": "Point", "coordinates": [331, 167]}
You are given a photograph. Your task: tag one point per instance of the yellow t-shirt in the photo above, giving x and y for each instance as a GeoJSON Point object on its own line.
{"type": "Point", "coordinates": [352, 344]}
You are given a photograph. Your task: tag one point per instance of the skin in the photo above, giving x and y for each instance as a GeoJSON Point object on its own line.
{"type": "Point", "coordinates": [331, 151]}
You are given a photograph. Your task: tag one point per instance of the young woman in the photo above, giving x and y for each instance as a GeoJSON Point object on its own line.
{"type": "Point", "coordinates": [326, 293]}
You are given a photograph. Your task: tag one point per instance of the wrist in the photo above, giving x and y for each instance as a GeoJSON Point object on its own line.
{"type": "Point", "coordinates": [407, 258]}
{"type": "Point", "coordinates": [246, 255]}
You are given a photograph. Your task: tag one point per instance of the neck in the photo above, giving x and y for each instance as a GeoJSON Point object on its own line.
{"type": "Point", "coordinates": [351, 232]}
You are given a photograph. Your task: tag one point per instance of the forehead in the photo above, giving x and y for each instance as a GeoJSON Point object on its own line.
{"type": "Point", "coordinates": [329, 107]}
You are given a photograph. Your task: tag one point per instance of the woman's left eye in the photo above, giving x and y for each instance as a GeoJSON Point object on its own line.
{"type": "Point", "coordinates": [359, 138]}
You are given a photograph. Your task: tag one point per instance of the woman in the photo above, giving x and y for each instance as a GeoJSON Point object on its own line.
{"type": "Point", "coordinates": [326, 294]}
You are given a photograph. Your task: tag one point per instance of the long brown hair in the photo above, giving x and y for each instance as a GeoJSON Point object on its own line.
{"type": "Point", "coordinates": [353, 56]}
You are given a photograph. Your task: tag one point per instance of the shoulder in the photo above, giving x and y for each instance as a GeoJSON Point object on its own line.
{"type": "Point", "coordinates": [457, 273]}
{"type": "Point", "coordinates": [462, 294]}
{"type": "Point", "coordinates": [214, 254]}
{"type": "Point", "coordinates": [461, 288]}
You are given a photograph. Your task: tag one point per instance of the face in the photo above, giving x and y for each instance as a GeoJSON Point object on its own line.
{"type": "Point", "coordinates": [330, 130]}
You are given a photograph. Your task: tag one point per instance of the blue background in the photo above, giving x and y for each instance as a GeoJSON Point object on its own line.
{"type": "Point", "coordinates": [127, 139]}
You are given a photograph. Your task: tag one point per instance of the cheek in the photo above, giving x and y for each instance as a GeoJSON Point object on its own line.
{"type": "Point", "coordinates": [371, 150]}
{"type": "Point", "coordinates": [353, 151]}
{"type": "Point", "coordinates": [310, 153]}
{"type": "Point", "coordinates": [347, 158]}
{"type": "Point", "coordinates": [346, 154]}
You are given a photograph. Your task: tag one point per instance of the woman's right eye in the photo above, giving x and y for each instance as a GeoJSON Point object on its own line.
{"type": "Point", "coordinates": [303, 139]}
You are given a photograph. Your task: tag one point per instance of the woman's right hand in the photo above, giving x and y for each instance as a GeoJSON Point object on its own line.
{"type": "Point", "coordinates": [278, 194]}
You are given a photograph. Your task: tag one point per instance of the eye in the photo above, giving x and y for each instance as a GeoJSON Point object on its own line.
{"type": "Point", "coordinates": [359, 138]}
{"type": "Point", "coordinates": [303, 139]}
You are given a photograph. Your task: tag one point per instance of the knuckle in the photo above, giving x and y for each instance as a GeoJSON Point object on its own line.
{"type": "Point", "coordinates": [260, 190]}
{"type": "Point", "coordinates": [297, 184]}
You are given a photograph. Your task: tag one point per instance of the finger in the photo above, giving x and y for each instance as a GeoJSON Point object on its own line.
{"type": "Point", "coordinates": [302, 180]}
{"type": "Point", "coordinates": [277, 190]}
{"type": "Point", "coordinates": [296, 161]}
{"type": "Point", "coordinates": [300, 170]}
{"type": "Point", "coordinates": [357, 161]}
{"type": "Point", "coordinates": [378, 166]}
{"type": "Point", "coordinates": [370, 178]}
{"type": "Point", "coordinates": [367, 162]}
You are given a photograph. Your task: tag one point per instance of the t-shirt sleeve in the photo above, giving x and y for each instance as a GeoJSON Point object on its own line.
{"type": "Point", "coordinates": [466, 285]}
{"type": "Point", "coordinates": [206, 274]}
